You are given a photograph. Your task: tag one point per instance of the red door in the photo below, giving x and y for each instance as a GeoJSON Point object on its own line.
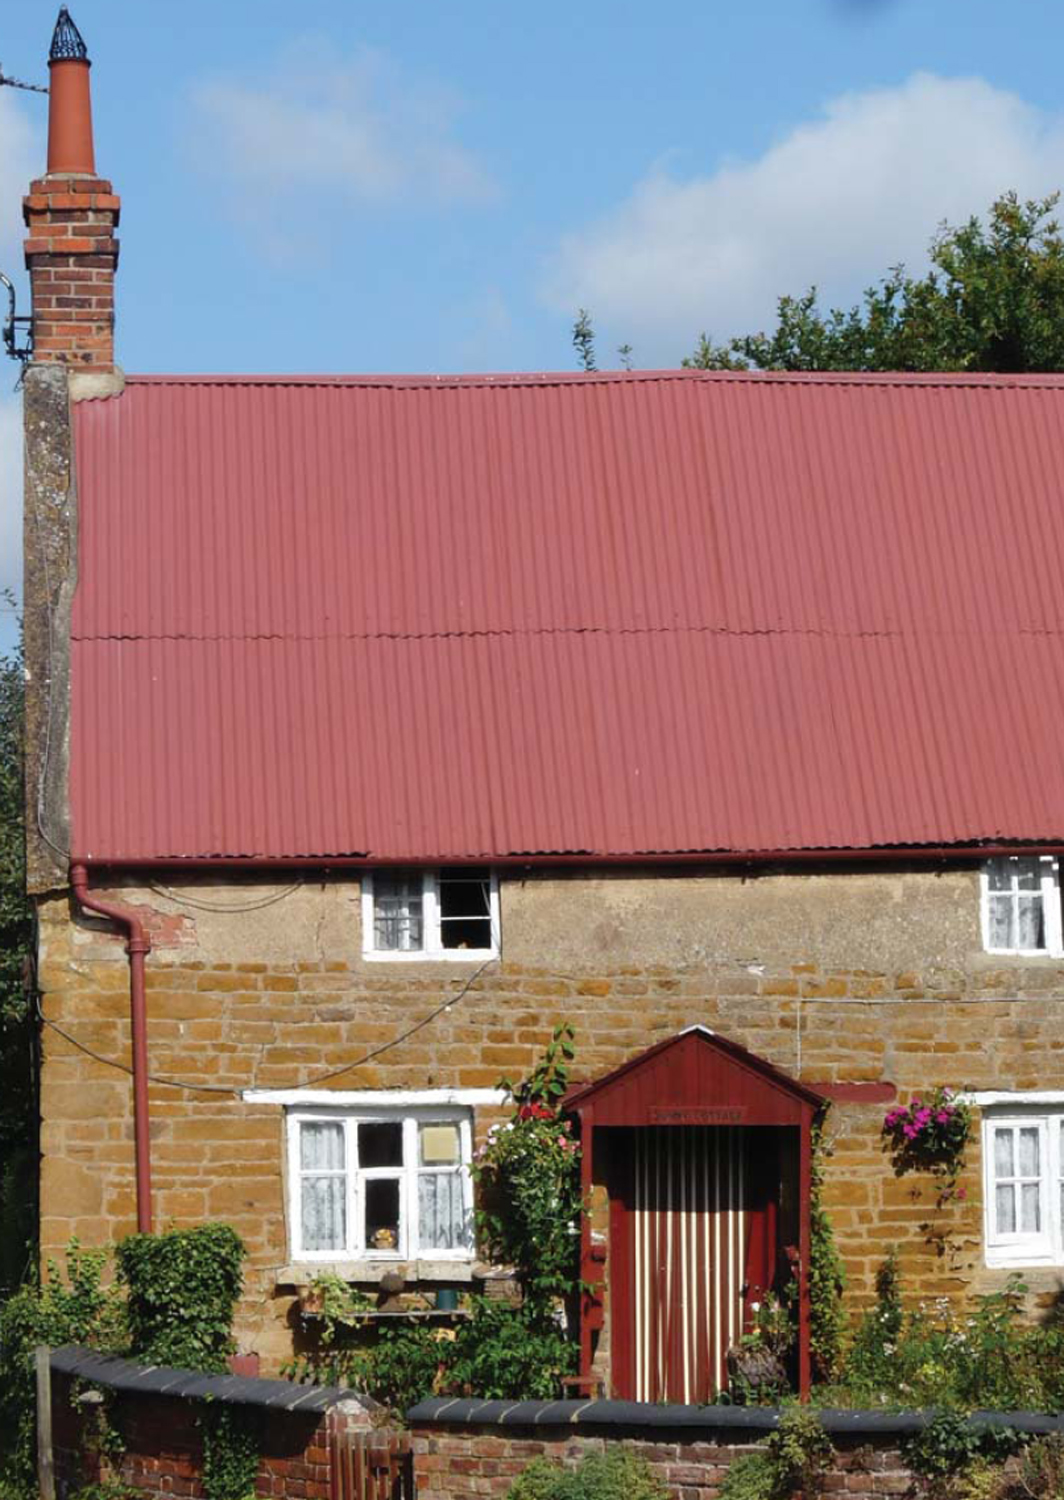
{"type": "Point", "coordinates": [692, 1243]}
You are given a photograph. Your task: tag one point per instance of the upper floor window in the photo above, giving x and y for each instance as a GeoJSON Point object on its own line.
{"type": "Point", "coordinates": [381, 1185]}
{"type": "Point", "coordinates": [450, 913]}
{"type": "Point", "coordinates": [1021, 905]}
{"type": "Point", "coordinates": [1024, 1187]}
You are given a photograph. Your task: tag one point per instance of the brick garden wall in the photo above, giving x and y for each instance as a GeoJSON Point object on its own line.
{"type": "Point", "coordinates": [482, 1463]}
{"type": "Point", "coordinates": [163, 1454]}
{"type": "Point", "coordinates": [841, 977]}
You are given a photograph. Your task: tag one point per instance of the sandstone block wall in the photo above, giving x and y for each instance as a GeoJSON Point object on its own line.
{"type": "Point", "coordinates": [861, 976]}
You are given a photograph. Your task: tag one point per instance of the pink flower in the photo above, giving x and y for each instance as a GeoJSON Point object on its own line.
{"type": "Point", "coordinates": [911, 1131]}
{"type": "Point", "coordinates": [942, 1117]}
{"type": "Point", "coordinates": [962, 1193]}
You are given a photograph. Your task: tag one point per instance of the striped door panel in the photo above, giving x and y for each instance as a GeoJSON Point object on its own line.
{"type": "Point", "coordinates": [688, 1228]}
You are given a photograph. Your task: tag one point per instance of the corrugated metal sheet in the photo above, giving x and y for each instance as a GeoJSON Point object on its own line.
{"type": "Point", "coordinates": [604, 615]}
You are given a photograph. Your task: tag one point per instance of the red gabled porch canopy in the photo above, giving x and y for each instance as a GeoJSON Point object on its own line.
{"type": "Point", "coordinates": [695, 1079]}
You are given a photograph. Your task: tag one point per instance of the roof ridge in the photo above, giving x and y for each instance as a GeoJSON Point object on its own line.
{"type": "Point", "coordinates": [531, 378]}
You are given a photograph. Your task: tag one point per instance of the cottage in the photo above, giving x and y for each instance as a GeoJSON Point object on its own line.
{"type": "Point", "coordinates": [377, 725]}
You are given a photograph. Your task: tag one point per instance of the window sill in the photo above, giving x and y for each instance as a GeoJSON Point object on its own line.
{"type": "Point", "coordinates": [433, 956]}
{"type": "Point", "coordinates": [302, 1273]}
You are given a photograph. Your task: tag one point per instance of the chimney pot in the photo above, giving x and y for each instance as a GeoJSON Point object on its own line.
{"type": "Point", "coordinates": [71, 237]}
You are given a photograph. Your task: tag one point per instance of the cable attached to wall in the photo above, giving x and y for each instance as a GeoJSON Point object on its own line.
{"type": "Point", "coordinates": [306, 1083]}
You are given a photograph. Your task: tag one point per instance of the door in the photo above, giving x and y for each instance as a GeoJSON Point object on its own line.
{"type": "Point", "coordinates": [692, 1231]}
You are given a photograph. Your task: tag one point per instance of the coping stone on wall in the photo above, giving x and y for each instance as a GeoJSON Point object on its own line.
{"type": "Point", "coordinates": [132, 1376]}
{"type": "Point", "coordinates": [633, 1415]}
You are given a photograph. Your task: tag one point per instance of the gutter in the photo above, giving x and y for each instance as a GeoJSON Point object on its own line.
{"type": "Point", "coordinates": [138, 946]}
{"type": "Point", "coordinates": [589, 858]}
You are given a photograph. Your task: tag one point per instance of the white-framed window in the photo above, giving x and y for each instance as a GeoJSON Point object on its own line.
{"type": "Point", "coordinates": [1023, 1186]}
{"type": "Point", "coordinates": [448, 913]}
{"type": "Point", "coordinates": [388, 1184]}
{"type": "Point", "coordinates": [1021, 905]}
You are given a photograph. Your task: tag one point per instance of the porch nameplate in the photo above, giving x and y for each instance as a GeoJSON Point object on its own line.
{"type": "Point", "coordinates": [697, 1114]}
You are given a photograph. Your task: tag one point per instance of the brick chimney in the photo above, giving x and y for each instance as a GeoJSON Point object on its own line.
{"type": "Point", "coordinates": [71, 215]}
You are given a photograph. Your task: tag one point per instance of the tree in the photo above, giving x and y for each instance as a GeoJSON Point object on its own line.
{"type": "Point", "coordinates": [992, 301]}
{"type": "Point", "coordinates": [584, 341]}
{"type": "Point", "coordinates": [18, 1033]}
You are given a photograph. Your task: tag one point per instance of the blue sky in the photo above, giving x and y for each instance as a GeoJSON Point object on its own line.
{"type": "Point", "coordinates": [415, 186]}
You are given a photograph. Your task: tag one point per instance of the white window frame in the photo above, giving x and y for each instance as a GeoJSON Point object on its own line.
{"type": "Point", "coordinates": [1046, 1248]}
{"type": "Point", "coordinates": [433, 945]}
{"type": "Point", "coordinates": [354, 1250]}
{"type": "Point", "coordinates": [1051, 909]}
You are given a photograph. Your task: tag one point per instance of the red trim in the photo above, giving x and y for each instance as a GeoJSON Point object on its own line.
{"type": "Point", "coordinates": [857, 1093]}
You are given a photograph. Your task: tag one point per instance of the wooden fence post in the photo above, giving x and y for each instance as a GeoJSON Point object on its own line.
{"type": "Point", "coordinates": [45, 1465]}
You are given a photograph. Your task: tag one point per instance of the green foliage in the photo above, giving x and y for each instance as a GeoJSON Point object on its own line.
{"type": "Point", "coordinates": [528, 1183]}
{"type": "Point", "coordinates": [511, 1353]}
{"type": "Point", "coordinates": [232, 1443]}
{"type": "Point", "coordinates": [986, 1356]}
{"type": "Point", "coordinates": [183, 1287]}
{"type": "Point", "coordinates": [950, 1444]}
{"type": "Point", "coordinates": [584, 341]}
{"type": "Point", "coordinates": [930, 1135]}
{"type": "Point", "coordinates": [18, 1037]}
{"type": "Point", "coordinates": [616, 1475]}
{"type": "Point", "coordinates": [183, 1290]}
{"type": "Point", "coordinates": [870, 1364]}
{"type": "Point", "coordinates": [752, 1477]}
{"type": "Point", "coordinates": [793, 1458]}
{"type": "Point", "coordinates": [993, 300]}
{"type": "Point", "coordinates": [827, 1278]}
{"type": "Point", "coordinates": [77, 1309]}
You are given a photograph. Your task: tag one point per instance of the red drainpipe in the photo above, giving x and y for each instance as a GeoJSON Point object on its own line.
{"type": "Point", "coordinates": [138, 947]}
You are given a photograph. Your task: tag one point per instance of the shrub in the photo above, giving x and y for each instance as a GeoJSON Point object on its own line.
{"type": "Point", "coordinates": [183, 1287]}
{"type": "Point", "coordinates": [77, 1310]}
{"type": "Point", "coordinates": [183, 1290]}
{"type": "Point", "coordinates": [616, 1475]}
{"type": "Point", "coordinates": [511, 1353]}
{"type": "Point", "coordinates": [528, 1182]}
{"type": "Point", "coordinates": [827, 1278]}
{"type": "Point", "coordinates": [793, 1458]}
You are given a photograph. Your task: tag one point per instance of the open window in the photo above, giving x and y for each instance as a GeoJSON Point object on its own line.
{"type": "Point", "coordinates": [447, 913]}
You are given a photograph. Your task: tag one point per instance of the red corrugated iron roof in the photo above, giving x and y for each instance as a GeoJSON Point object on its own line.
{"type": "Point", "coordinates": [530, 615]}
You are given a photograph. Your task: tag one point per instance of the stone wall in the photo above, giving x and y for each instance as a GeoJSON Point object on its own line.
{"type": "Point", "coordinates": [847, 976]}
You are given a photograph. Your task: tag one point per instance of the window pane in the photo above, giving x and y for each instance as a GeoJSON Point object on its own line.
{"type": "Point", "coordinates": [323, 1202]}
{"type": "Point", "coordinates": [997, 874]}
{"type": "Point", "coordinates": [1002, 932]}
{"type": "Point", "coordinates": [1004, 1161]}
{"type": "Point", "coordinates": [465, 908]}
{"type": "Point", "coordinates": [1028, 874]}
{"type": "Point", "coordinates": [1032, 935]}
{"type": "Point", "coordinates": [441, 1211]}
{"type": "Point", "coordinates": [380, 1145]}
{"type": "Point", "coordinates": [1030, 1208]}
{"type": "Point", "coordinates": [1006, 1210]}
{"type": "Point", "coordinates": [321, 1146]}
{"type": "Point", "coordinates": [439, 1145]}
{"type": "Point", "coordinates": [382, 1213]}
{"type": "Point", "coordinates": [1029, 1152]}
{"type": "Point", "coordinates": [398, 920]}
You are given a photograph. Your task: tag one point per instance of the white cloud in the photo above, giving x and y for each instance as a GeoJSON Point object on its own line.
{"type": "Point", "coordinates": [329, 130]}
{"type": "Point", "coordinates": [834, 203]}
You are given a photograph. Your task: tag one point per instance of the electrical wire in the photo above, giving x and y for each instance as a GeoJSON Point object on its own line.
{"type": "Point", "coordinates": [194, 901]}
{"type": "Point", "coordinates": [306, 1083]}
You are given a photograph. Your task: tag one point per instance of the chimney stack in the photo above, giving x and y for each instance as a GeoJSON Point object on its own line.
{"type": "Point", "coordinates": [71, 215]}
